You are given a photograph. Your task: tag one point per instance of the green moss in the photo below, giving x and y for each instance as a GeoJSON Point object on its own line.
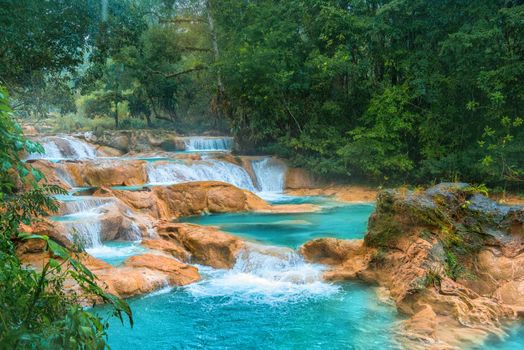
{"type": "Point", "coordinates": [432, 278]}
{"type": "Point", "coordinates": [454, 269]}
{"type": "Point", "coordinates": [383, 232]}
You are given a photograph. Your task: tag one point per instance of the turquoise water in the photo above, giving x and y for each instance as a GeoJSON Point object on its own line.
{"type": "Point", "coordinates": [292, 230]}
{"type": "Point", "coordinates": [271, 299]}
{"type": "Point", "coordinates": [514, 340]}
{"type": "Point", "coordinates": [115, 252]}
{"type": "Point", "coordinates": [351, 318]}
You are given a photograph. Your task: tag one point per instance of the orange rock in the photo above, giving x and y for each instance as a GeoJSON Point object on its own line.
{"type": "Point", "coordinates": [107, 172]}
{"type": "Point", "coordinates": [207, 245]}
{"type": "Point", "coordinates": [343, 193]}
{"type": "Point", "coordinates": [177, 272]}
{"type": "Point", "coordinates": [54, 173]}
{"type": "Point", "coordinates": [331, 251]}
{"type": "Point", "coordinates": [166, 246]}
{"type": "Point", "coordinates": [107, 151]}
{"type": "Point", "coordinates": [187, 199]}
{"type": "Point", "coordinates": [138, 275]}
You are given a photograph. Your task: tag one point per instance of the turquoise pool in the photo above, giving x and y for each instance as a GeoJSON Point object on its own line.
{"type": "Point", "coordinates": [271, 299]}
{"type": "Point", "coordinates": [346, 221]}
{"type": "Point", "coordinates": [350, 317]}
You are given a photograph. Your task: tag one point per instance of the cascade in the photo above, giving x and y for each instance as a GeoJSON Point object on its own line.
{"type": "Point", "coordinates": [81, 204]}
{"type": "Point", "coordinates": [64, 147]}
{"type": "Point", "coordinates": [86, 232]}
{"type": "Point", "coordinates": [270, 174]}
{"type": "Point", "coordinates": [81, 217]}
{"type": "Point", "coordinates": [266, 274]}
{"type": "Point", "coordinates": [208, 170]}
{"type": "Point", "coordinates": [199, 143]}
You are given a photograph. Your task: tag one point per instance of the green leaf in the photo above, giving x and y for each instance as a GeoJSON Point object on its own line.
{"type": "Point", "coordinates": [58, 250]}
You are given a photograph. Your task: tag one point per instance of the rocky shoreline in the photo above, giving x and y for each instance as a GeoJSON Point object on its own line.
{"type": "Point", "coordinates": [450, 258]}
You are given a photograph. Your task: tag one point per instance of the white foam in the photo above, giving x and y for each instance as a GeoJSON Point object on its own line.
{"type": "Point", "coordinates": [111, 252]}
{"type": "Point", "coordinates": [86, 233]}
{"type": "Point", "coordinates": [266, 275]}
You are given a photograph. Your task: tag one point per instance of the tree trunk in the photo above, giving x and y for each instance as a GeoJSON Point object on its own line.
{"type": "Point", "coordinates": [116, 113]}
{"type": "Point", "coordinates": [216, 52]}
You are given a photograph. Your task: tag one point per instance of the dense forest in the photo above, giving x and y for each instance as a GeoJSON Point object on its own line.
{"type": "Point", "coordinates": [384, 91]}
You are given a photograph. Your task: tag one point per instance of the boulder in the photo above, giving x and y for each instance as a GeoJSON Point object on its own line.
{"type": "Point", "coordinates": [330, 251]}
{"type": "Point", "coordinates": [207, 245]}
{"type": "Point", "coordinates": [54, 173]}
{"type": "Point", "coordinates": [169, 247]}
{"type": "Point", "coordinates": [138, 275]}
{"type": "Point", "coordinates": [178, 273]}
{"type": "Point", "coordinates": [187, 199]}
{"type": "Point", "coordinates": [106, 151]}
{"type": "Point", "coordinates": [107, 172]}
{"type": "Point", "coordinates": [143, 274]}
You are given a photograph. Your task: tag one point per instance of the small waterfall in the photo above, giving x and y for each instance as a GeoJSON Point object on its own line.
{"type": "Point", "coordinates": [64, 147]}
{"type": "Point", "coordinates": [200, 143]}
{"type": "Point", "coordinates": [81, 217]}
{"type": "Point", "coordinates": [266, 274]}
{"type": "Point", "coordinates": [62, 174]}
{"type": "Point", "coordinates": [270, 174]}
{"type": "Point", "coordinates": [86, 233]}
{"type": "Point", "coordinates": [208, 170]}
{"type": "Point", "coordinates": [71, 205]}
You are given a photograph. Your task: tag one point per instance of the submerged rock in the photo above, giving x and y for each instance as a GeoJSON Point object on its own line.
{"type": "Point", "coordinates": [450, 257]}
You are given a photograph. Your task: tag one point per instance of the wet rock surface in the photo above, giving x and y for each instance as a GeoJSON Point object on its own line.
{"type": "Point", "coordinates": [450, 258]}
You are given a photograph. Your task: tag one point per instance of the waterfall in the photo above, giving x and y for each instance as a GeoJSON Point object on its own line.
{"type": "Point", "coordinates": [270, 174]}
{"type": "Point", "coordinates": [71, 205]}
{"type": "Point", "coordinates": [208, 170]}
{"type": "Point", "coordinates": [199, 143]}
{"type": "Point", "coordinates": [82, 218]}
{"type": "Point", "coordinates": [85, 232]}
{"type": "Point", "coordinates": [64, 147]}
{"type": "Point", "coordinates": [266, 274]}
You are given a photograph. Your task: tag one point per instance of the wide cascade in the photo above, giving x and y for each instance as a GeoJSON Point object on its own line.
{"type": "Point", "coordinates": [206, 170]}
{"type": "Point", "coordinates": [269, 273]}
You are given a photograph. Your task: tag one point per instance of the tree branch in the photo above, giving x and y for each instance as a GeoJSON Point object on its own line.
{"type": "Point", "coordinates": [187, 71]}
{"type": "Point", "coordinates": [192, 48]}
{"type": "Point", "coordinates": [178, 20]}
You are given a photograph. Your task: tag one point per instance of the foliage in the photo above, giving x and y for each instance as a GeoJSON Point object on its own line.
{"type": "Point", "coordinates": [390, 91]}
{"type": "Point", "coordinates": [387, 91]}
{"type": "Point", "coordinates": [36, 311]}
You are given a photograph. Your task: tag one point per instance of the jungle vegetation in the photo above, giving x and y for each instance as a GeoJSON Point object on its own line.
{"type": "Point", "coordinates": [387, 91]}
